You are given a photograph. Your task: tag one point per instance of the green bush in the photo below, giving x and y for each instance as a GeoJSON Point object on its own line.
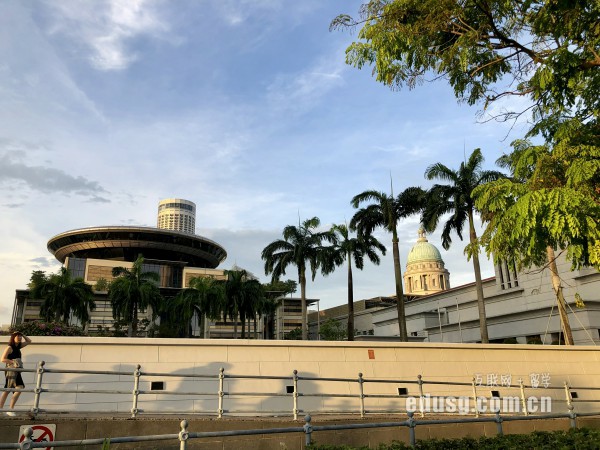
{"type": "Point", "coordinates": [579, 439]}
{"type": "Point", "coordinates": [40, 328]}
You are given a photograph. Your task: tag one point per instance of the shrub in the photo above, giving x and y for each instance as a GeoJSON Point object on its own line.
{"type": "Point", "coordinates": [40, 328]}
{"type": "Point", "coordinates": [580, 439]}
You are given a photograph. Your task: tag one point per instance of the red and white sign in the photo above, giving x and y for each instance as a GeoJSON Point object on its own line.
{"type": "Point", "coordinates": [41, 433]}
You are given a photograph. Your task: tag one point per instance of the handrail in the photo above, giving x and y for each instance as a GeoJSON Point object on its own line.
{"type": "Point", "coordinates": [296, 391]}
{"type": "Point", "coordinates": [308, 429]}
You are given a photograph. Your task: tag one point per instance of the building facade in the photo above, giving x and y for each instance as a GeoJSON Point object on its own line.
{"type": "Point", "coordinates": [177, 214]}
{"type": "Point", "coordinates": [171, 250]}
{"type": "Point", "coordinates": [520, 306]}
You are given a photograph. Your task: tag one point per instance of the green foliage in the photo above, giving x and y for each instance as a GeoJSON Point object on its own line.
{"type": "Point", "coordinates": [205, 296]}
{"type": "Point", "coordinates": [385, 211]}
{"type": "Point", "coordinates": [294, 335]}
{"type": "Point", "coordinates": [454, 202]}
{"type": "Point", "coordinates": [62, 296]}
{"type": "Point", "coordinates": [544, 51]}
{"type": "Point", "coordinates": [350, 250]}
{"type": "Point", "coordinates": [331, 330]}
{"type": "Point", "coordinates": [280, 288]}
{"type": "Point", "coordinates": [580, 439]}
{"type": "Point", "coordinates": [551, 200]}
{"type": "Point", "coordinates": [511, 340]}
{"type": "Point", "coordinates": [101, 285]}
{"type": "Point", "coordinates": [131, 291]}
{"type": "Point", "coordinates": [48, 329]}
{"type": "Point", "coordinates": [243, 297]}
{"type": "Point", "coordinates": [301, 246]}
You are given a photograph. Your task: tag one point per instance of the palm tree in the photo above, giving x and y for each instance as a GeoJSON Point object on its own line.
{"type": "Point", "coordinates": [456, 199]}
{"type": "Point", "coordinates": [243, 296]}
{"type": "Point", "coordinates": [133, 290]}
{"type": "Point", "coordinates": [203, 298]}
{"type": "Point", "coordinates": [386, 211]}
{"type": "Point", "coordinates": [351, 250]}
{"type": "Point", "coordinates": [301, 245]}
{"type": "Point", "coordinates": [62, 296]}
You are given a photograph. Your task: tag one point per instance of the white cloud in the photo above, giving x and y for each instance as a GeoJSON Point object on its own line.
{"type": "Point", "coordinates": [300, 92]}
{"type": "Point", "coordinates": [108, 27]}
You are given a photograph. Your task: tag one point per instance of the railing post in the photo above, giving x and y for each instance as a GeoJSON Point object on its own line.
{"type": "Point", "coordinates": [568, 396]}
{"type": "Point", "coordinates": [25, 444]}
{"type": "Point", "coordinates": [474, 384]}
{"type": "Point", "coordinates": [523, 399]}
{"type": "Point", "coordinates": [422, 397]}
{"type": "Point", "coordinates": [307, 430]}
{"type": "Point", "coordinates": [136, 391]}
{"type": "Point", "coordinates": [499, 429]}
{"type": "Point", "coordinates": [412, 423]}
{"type": "Point", "coordinates": [183, 435]}
{"type": "Point", "coordinates": [35, 409]}
{"type": "Point", "coordinates": [221, 393]}
{"type": "Point", "coordinates": [295, 394]}
{"type": "Point", "coordinates": [362, 394]}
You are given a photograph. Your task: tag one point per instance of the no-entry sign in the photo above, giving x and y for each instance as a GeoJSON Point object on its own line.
{"type": "Point", "coordinates": [41, 433]}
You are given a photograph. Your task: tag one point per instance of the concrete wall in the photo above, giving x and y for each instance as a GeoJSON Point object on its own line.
{"type": "Point", "coordinates": [579, 366]}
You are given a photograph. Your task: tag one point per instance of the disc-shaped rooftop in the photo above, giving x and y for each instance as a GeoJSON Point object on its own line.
{"type": "Point", "coordinates": [124, 243]}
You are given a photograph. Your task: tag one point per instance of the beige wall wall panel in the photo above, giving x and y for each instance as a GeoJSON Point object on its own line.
{"type": "Point", "coordinates": [283, 368]}
{"type": "Point", "coordinates": [436, 362]}
{"type": "Point", "coordinates": [191, 354]}
{"type": "Point", "coordinates": [252, 353]}
{"type": "Point", "coordinates": [318, 352]}
{"type": "Point", "coordinates": [138, 353]}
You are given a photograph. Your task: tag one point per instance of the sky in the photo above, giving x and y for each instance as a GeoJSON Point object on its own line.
{"type": "Point", "coordinates": [245, 107]}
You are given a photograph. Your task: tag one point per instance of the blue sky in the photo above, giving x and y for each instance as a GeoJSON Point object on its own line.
{"type": "Point", "coordinates": [245, 107]}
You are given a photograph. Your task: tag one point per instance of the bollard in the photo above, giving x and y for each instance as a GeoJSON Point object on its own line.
{"type": "Point", "coordinates": [572, 417]}
{"type": "Point", "coordinates": [221, 393]}
{"type": "Point", "coordinates": [35, 409]}
{"type": "Point", "coordinates": [523, 399]}
{"type": "Point", "coordinates": [499, 429]}
{"type": "Point", "coordinates": [362, 395]}
{"type": "Point", "coordinates": [136, 391]}
{"type": "Point", "coordinates": [474, 384]}
{"type": "Point", "coordinates": [412, 423]}
{"type": "Point", "coordinates": [568, 396]}
{"type": "Point", "coordinates": [295, 394]}
{"type": "Point", "coordinates": [421, 403]}
{"type": "Point", "coordinates": [183, 435]}
{"type": "Point", "coordinates": [307, 430]}
{"type": "Point", "coordinates": [25, 444]}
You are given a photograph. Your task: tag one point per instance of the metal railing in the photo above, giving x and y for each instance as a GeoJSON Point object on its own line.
{"type": "Point", "coordinates": [308, 429]}
{"type": "Point", "coordinates": [299, 388]}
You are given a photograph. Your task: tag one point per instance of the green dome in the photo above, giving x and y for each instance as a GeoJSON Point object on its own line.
{"type": "Point", "coordinates": [423, 251]}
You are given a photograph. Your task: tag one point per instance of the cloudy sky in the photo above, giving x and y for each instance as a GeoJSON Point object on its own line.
{"type": "Point", "coordinates": [245, 107]}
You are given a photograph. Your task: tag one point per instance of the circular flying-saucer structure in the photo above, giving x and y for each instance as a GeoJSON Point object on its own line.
{"type": "Point", "coordinates": [126, 243]}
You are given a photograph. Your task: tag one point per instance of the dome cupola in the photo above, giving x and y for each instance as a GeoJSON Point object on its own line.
{"type": "Point", "coordinates": [425, 271]}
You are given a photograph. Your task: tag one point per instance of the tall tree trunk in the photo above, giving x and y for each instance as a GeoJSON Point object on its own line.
{"type": "Point", "coordinates": [560, 298]}
{"type": "Point", "coordinates": [478, 284]}
{"type": "Point", "coordinates": [303, 303]}
{"type": "Point", "coordinates": [350, 300]}
{"type": "Point", "coordinates": [399, 291]}
{"type": "Point", "coordinates": [243, 320]}
{"type": "Point", "coordinates": [132, 328]}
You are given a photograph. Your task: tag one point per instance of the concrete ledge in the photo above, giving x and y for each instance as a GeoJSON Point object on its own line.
{"type": "Point", "coordinates": [77, 428]}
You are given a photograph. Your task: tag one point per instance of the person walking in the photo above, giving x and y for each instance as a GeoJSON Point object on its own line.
{"type": "Point", "coordinates": [12, 358]}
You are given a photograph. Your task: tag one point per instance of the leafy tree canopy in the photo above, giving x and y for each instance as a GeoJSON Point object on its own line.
{"type": "Point", "coordinates": [547, 51]}
{"type": "Point", "coordinates": [552, 199]}
{"type": "Point", "coordinates": [278, 288]}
